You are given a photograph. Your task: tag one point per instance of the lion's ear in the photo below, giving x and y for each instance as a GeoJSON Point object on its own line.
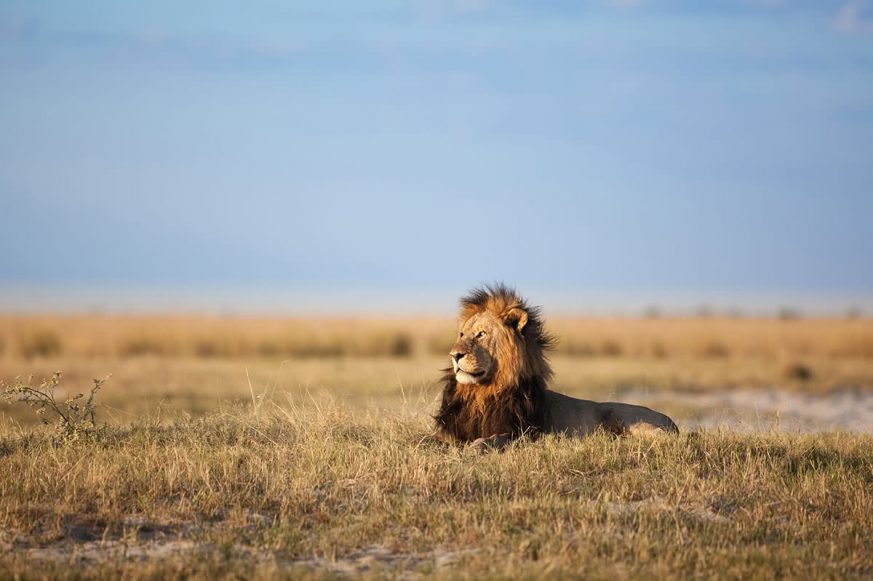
{"type": "Point", "coordinates": [515, 317]}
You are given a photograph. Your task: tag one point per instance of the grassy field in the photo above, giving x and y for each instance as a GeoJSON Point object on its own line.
{"type": "Point", "coordinates": [232, 447]}
{"type": "Point", "coordinates": [192, 364]}
{"type": "Point", "coordinates": [318, 490]}
{"type": "Point", "coordinates": [32, 336]}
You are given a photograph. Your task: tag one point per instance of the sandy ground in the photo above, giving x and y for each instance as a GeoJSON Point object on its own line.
{"type": "Point", "coordinates": [168, 545]}
{"type": "Point", "coordinates": [764, 410]}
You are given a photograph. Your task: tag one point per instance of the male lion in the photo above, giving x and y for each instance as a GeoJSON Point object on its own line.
{"type": "Point", "coordinates": [497, 387]}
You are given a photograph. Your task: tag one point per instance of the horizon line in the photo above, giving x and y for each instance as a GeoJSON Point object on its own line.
{"type": "Point", "coordinates": [175, 299]}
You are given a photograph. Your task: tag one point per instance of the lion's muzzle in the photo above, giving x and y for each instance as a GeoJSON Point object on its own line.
{"type": "Point", "coordinates": [469, 364]}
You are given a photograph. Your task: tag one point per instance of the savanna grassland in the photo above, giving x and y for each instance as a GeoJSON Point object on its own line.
{"type": "Point", "coordinates": [258, 447]}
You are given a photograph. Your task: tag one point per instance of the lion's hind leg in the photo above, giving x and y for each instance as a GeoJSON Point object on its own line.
{"type": "Point", "coordinates": [645, 428]}
{"type": "Point", "coordinates": [653, 426]}
{"type": "Point", "coordinates": [622, 419]}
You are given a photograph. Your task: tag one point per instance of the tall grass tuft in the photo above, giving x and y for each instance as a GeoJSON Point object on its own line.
{"type": "Point", "coordinates": [142, 344]}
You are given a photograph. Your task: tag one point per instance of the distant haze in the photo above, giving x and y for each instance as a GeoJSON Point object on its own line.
{"type": "Point", "coordinates": [602, 155]}
{"type": "Point", "coordinates": [263, 300]}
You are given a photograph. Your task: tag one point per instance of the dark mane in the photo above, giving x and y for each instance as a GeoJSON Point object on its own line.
{"type": "Point", "coordinates": [514, 409]}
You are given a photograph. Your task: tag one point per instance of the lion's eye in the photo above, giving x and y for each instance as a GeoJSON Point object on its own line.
{"type": "Point", "coordinates": [462, 334]}
{"type": "Point", "coordinates": [480, 334]}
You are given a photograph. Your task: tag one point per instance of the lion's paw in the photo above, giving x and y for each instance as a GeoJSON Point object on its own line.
{"type": "Point", "coordinates": [480, 445]}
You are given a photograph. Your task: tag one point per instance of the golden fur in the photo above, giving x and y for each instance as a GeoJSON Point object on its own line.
{"type": "Point", "coordinates": [497, 387]}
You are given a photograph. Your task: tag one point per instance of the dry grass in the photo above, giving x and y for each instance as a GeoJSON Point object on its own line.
{"type": "Point", "coordinates": [716, 337]}
{"type": "Point", "coordinates": [220, 460]}
{"type": "Point", "coordinates": [298, 447]}
{"type": "Point", "coordinates": [246, 337]}
{"type": "Point", "coordinates": [208, 337]}
{"type": "Point", "coordinates": [192, 364]}
{"type": "Point", "coordinates": [198, 386]}
{"type": "Point", "coordinates": [313, 488]}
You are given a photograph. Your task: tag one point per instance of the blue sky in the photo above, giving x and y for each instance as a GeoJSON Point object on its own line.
{"type": "Point", "coordinates": [643, 147]}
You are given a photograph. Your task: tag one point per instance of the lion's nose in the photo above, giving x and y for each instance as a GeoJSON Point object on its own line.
{"type": "Point", "coordinates": [457, 355]}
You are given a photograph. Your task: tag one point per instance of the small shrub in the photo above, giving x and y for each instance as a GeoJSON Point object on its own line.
{"type": "Point", "coordinates": [40, 343]}
{"type": "Point", "coordinates": [206, 348]}
{"type": "Point", "coordinates": [220, 346]}
{"type": "Point", "coordinates": [314, 348]}
{"type": "Point", "coordinates": [788, 314]}
{"type": "Point", "coordinates": [143, 345]}
{"type": "Point", "coordinates": [401, 345]}
{"type": "Point", "coordinates": [610, 348]}
{"type": "Point", "coordinates": [74, 418]}
{"type": "Point", "coordinates": [328, 348]}
{"type": "Point", "coordinates": [854, 312]}
{"type": "Point", "coordinates": [270, 348]}
{"type": "Point", "coordinates": [797, 372]}
{"type": "Point", "coordinates": [714, 350]}
{"type": "Point", "coordinates": [658, 350]}
{"type": "Point", "coordinates": [577, 349]}
{"type": "Point", "coordinates": [652, 312]}
{"type": "Point", "coordinates": [704, 312]}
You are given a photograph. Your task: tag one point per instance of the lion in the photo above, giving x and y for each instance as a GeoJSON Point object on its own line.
{"type": "Point", "coordinates": [497, 387]}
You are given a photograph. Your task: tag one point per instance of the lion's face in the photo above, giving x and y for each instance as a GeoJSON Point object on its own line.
{"type": "Point", "coordinates": [485, 342]}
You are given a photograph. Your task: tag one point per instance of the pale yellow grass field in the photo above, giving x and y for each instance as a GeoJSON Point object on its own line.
{"type": "Point", "coordinates": [141, 385]}
{"type": "Point", "coordinates": [266, 448]}
{"type": "Point", "coordinates": [213, 336]}
{"type": "Point", "coordinates": [191, 364]}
